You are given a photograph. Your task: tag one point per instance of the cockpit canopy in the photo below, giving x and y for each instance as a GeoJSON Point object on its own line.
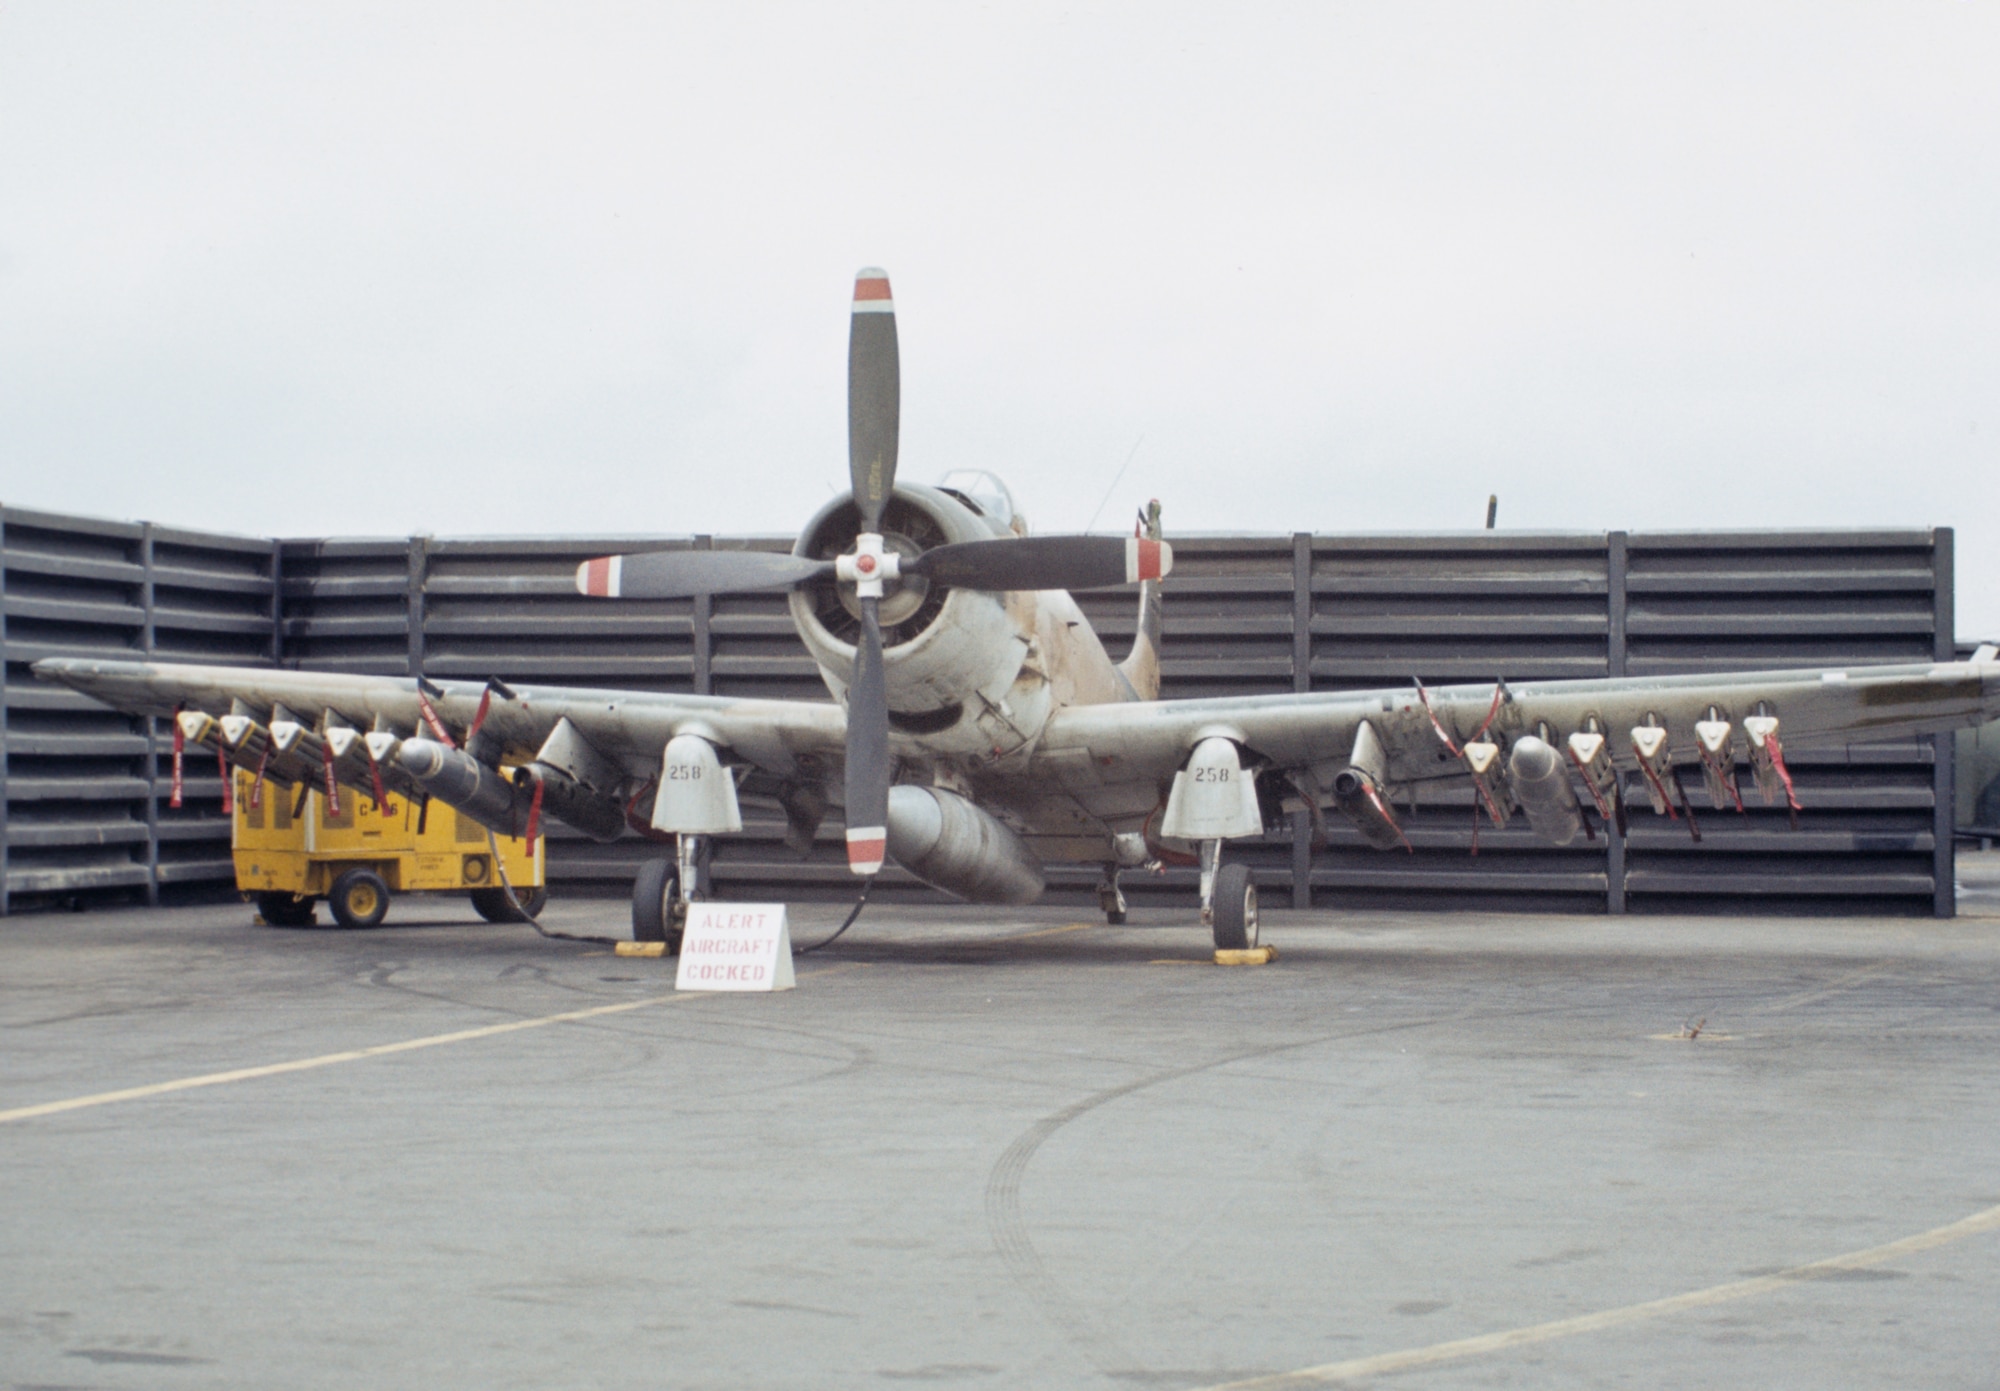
{"type": "Point", "coordinates": [987, 495]}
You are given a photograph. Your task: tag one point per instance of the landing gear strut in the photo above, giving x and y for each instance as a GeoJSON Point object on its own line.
{"type": "Point", "coordinates": [1228, 900]}
{"type": "Point", "coordinates": [1111, 898]}
{"type": "Point", "coordinates": [662, 892]}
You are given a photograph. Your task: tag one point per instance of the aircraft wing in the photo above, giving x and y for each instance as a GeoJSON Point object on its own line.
{"type": "Point", "coordinates": [787, 738]}
{"type": "Point", "coordinates": [1421, 731]}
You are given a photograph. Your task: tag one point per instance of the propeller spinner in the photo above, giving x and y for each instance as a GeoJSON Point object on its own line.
{"type": "Point", "coordinates": [874, 408]}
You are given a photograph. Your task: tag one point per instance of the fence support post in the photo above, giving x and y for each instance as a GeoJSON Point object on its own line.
{"type": "Point", "coordinates": [1944, 747]}
{"type": "Point", "coordinates": [3, 714]}
{"type": "Point", "coordinates": [704, 679]}
{"type": "Point", "coordinates": [1302, 853]}
{"type": "Point", "coordinates": [413, 593]}
{"type": "Point", "coordinates": [147, 641]}
{"type": "Point", "coordinates": [1617, 554]}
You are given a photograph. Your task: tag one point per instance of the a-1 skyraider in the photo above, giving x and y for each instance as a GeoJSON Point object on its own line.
{"type": "Point", "coordinates": [981, 731]}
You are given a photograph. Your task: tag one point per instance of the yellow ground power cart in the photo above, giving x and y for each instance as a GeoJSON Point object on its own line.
{"type": "Point", "coordinates": [291, 853]}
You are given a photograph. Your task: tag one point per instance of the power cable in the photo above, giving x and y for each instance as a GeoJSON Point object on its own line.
{"type": "Point", "coordinates": [859, 904]}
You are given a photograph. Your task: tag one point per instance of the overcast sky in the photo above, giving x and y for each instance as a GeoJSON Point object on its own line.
{"type": "Point", "coordinates": [301, 270]}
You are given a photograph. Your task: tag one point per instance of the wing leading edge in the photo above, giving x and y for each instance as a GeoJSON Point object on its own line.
{"type": "Point", "coordinates": [631, 728]}
{"type": "Point", "coordinates": [1423, 732]}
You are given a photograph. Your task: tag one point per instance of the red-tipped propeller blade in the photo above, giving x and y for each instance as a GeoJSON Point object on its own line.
{"type": "Point", "coordinates": [683, 574]}
{"type": "Point", "coordinates": [874, 397]}
{"type": "Point", "coordinates": [867, 750]}
{"type": "Point", "coordinates": [1045, 562]}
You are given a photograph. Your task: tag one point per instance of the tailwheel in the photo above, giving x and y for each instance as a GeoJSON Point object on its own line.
{"type": "Point", "coordinates": [657, 912]}
{"type": "Point", "coordinates": [1235, 909]}
{"type": "Point", "coordinates": [359, 898]}
{"type": "Point", "coordinates": [285, 910]}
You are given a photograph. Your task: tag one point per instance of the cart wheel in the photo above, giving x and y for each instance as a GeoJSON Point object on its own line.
{"type": "Point", "coordinates": [654, 895]}
{"type": "Point", "coordinates": [285, 910]}
{"type": "Point", "coordinates": [1235, 909]}
{"type": "Point", "coordinates": [359, 898]}
{"type": "Point", "coordinates": [492, 904]}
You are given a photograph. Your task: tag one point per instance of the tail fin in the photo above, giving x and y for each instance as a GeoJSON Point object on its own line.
{"type": "Point", "coordinates": [1142, 668]}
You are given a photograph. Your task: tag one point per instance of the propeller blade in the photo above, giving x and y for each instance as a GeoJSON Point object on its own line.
{"type": "Point", "coordinates": [874, 397]}
{"type": "Point", "coordinates": [868, 750]}
{"type": "Point", "coordinates": [683, 574]}
{"type": "Point", "coordinates": [1045, 562]}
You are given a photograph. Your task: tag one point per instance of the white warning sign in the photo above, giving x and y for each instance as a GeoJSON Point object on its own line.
{"type": "Point", "coordinates": [736, 946]}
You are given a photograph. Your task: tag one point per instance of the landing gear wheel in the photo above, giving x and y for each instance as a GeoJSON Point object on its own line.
{"type": "Point", "coordinates": [285, 910]}
{"type": "Point", "coordinates": [492, 905]}
{"type": "Point", "coordinates": [1235, 909]}
{"type": "Point", "coordinates": [358, 898]}
{"type": "Point", "coordinates": [655, 905]}
{"type": "Point", "coordinates": [1115, 917]}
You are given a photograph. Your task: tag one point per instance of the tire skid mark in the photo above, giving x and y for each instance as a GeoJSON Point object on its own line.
{"type": "Point", "coordinates": [1009, 1229]}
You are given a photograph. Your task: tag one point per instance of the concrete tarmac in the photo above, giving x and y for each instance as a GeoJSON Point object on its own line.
{"type": "Point", "coordinates": [1002, 1149]}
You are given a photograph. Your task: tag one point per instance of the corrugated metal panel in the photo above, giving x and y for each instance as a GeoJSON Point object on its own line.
{"type": "Point", "coordinates": [1245, 615]}
{"type": "Point", "coordinates": [86, 790]}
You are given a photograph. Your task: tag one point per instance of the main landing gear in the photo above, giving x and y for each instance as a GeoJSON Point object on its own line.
{"type": "Point", "coordinates": [662, 892]}
{"type": "Point", "coordinates": [1228, 900]}
{"type": "Point", "coordinates": [1111, 898]}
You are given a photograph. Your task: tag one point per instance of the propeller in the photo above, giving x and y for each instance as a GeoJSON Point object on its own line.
{"type": "Point", "coordinates": [1028, 562]}
{"type": "Point", "coordinates": [874, 408]}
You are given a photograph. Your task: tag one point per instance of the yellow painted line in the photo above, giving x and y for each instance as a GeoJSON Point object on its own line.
{"type": "Point", "coordinates": [352, 1055]}
{"type": "Point", "coordinates": [1051, 931]}
{"type": "Point", "coordinates": [1381, 1363]}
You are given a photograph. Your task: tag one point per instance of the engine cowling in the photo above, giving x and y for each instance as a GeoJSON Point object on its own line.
{"type": "Point", "coordinates": [943, 648]}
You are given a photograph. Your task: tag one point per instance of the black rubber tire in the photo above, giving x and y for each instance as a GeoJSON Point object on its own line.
{"type": "Point", "coordinates": [359, 898]}
{"type": "Point", "coordinates": [492, 904]}
{"type": "Point", "coordinates": [653, 894]}
{"type": "Point", "coordinates": [1235, 915]}
{"type": "Point", "coordinates": [283, 910]}
{"type": "Point", "coordinates": [1115, 917]}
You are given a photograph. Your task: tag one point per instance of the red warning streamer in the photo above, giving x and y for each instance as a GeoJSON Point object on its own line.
{"type": "Point", "coordinates": [534, 814]}
{"type": "Point", "coordinates": [1726, 773]}
{"type": "Point", "coordinates": [332, 784]}
{"type": "Point", "coordinates": [1487, 723]}
{"type": "Point", "coordinates": [431, 718]}
{"type": "Point", "coordinates": [1784, 776]}
{"type": "Point", "coordinates": [228, 782]}
{"type": "Point", "coordinates": [1375, 799]}
{"type": "Point", "coordinates": [1654, 779]}
{"type": "Point", "coordinates": [1603, 808]}
{"type": "Point", "coordinates": [257, 783]}
{"type": "Point", "coordinates": [479, 716]}
{"type": "Point", "coordinates": [1449, 742]}
{"type": "Point", "coordinates": [180, 740]}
